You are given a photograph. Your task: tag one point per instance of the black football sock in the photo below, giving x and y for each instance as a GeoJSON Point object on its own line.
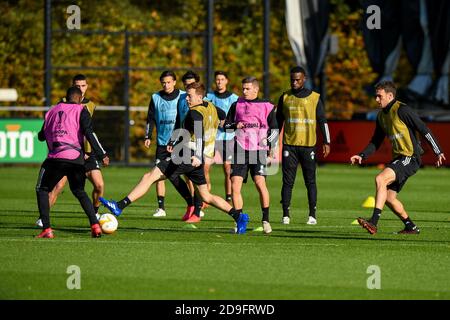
{"type": "Point", "coordinates": [198, 203]}
{"type": "Point", "coordinates": [375, 216]}
{"type": "Point", "coordinates": [286, 211]}
{"type": "Point", "coordinates": [235, 214]}
{"type": "Point", "coordinates": [408, 223]}
{"type": "Point", "coordinates": [228, 197]}
{"type": "Point", "coordinates": [44, 208]}
{"type": "Point", "coordinates": [161, 202]}
{"type": "Point", "coordinates": [125, 202]}
{"type": "Point", "coordinates": [265, 214]}
{"type": "Point", "coordinates": [96, 209]}
{"type": "Point", "coordinates": [312, 212]}
{"type": "Point", "coordinates": [197, 211]}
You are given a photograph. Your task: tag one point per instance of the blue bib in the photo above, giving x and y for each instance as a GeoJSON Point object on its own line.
{"type": "Point", "coordinates": [165, 117]}
{"type": "Point", "coordinates": [225, 105]}
{"type": "Point", "coordinates": [183, 107]}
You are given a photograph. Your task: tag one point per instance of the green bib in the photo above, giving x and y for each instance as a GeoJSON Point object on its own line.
{"type": "Point", "coordinates": [300, 119]}
{"type": "Point", "coordinates": [397, 131]}
{"type": "Point", "coordinates": [210, 125]}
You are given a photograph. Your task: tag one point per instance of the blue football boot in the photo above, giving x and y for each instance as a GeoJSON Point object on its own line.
{"type": "Point", "coordinates": [241, 224]}
{"type": "Point", "coordinates": [111, 205]}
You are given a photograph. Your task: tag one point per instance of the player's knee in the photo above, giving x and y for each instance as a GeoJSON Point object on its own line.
{"type": "Point", "coordinates": [148, 176]}
{"type": "Point", "coordinates": [380, 180]}
{"type": "Point", "coordinates": [99, 186]}
{"type": "Point", "coordinates": [260, 184]}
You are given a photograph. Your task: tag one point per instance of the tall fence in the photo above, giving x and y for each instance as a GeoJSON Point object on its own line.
{"type": "Point", "coordinates": [19, 143]}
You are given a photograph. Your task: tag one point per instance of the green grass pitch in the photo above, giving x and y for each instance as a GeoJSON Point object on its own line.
{"type": "Point", "coordinates": [158, 258]}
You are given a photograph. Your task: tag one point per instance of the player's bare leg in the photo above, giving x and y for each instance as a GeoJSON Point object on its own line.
{"type": "Point", "coordinates": [160, 193]}
{"type": "Point", "coordinates": [146, 182]}
{"type": "Point", "coordinates": [161, 188]}
{"type": "Point", "coordinates": [264, 198]}
{"type": "Point", "coordinates": [382, 180]}
{"type": "Point", "coordinates": [53, 195]}
{"type": "Point", "coordinates": [397, 207]}
{"type": "Point", "coordinates": [207, 166]}
{"type": "Point", "coordinates": [138, 191]}
{"type": "Point", "coordinates": [213, 199]}
{"type": "Point", "coordinates": [236, 186]}
{"type": "Point", "coordinates": [227, 173]}
{"type": "Point", "coordinates": [241, 219]}
{"type": "Point", "coordinates": [190, 185]}
{"type": "Point", "coordinates": [96, 178]}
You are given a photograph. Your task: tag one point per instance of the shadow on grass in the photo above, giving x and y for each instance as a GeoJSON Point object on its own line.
{"type": "Point", "coordinates": [336, 235]}
{"type": "Point", "coordinates": [35, 213]}
{"type": "Point", "coordinates": [278, 234]}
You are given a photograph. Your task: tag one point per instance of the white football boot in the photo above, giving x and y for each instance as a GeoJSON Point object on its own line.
{"type": "Point", "coordinates": [159, 213]}
{"type": "Point", "coordinates": [266, 227]}
{"type": "Point", "coordinates": [311, 221]}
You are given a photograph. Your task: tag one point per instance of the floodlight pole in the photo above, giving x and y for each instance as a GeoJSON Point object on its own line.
{"type": "Point", "coordinates": [48, 53]}
{"type": "Point", "coordinates": [209, 43]}
{"type": "Point", "coordinates": [266, 43]}
{"type": "Point", "coordinates": [126, 98]}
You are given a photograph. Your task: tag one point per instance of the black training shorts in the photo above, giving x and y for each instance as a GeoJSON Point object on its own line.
{"type": "Point", "coordinates": [195, 174]}
{"type": "Point", "coordinates": [162, 158]}
{"type": "Point", "coordinates": [404, 167]}
{"type": "Point", "coordinates": [91, 163]}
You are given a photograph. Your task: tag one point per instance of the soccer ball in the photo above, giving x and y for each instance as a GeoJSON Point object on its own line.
{"type": "Point", "coordinates": [108, 222]}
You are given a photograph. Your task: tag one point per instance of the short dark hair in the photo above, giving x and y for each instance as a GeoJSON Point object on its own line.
{"type": "Point", "coordinates": [298, 69]}
{"type": "Point", "coordinates": [220, 73]}
{"type": "Point", "coordinates": [168, 73]}
{"type": "Point", "coordinates": [79, 77]}
{"type": "Point", "coordinates": [198, 86]}
{"type": "Point", "coordinates": [387, 86]}
{"type": "Point", "coordinates": [251, 80]}
{"type": "Point", "coordinates": [73, 93]}
{"type": "Point", "coordinates": [190, 75]}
